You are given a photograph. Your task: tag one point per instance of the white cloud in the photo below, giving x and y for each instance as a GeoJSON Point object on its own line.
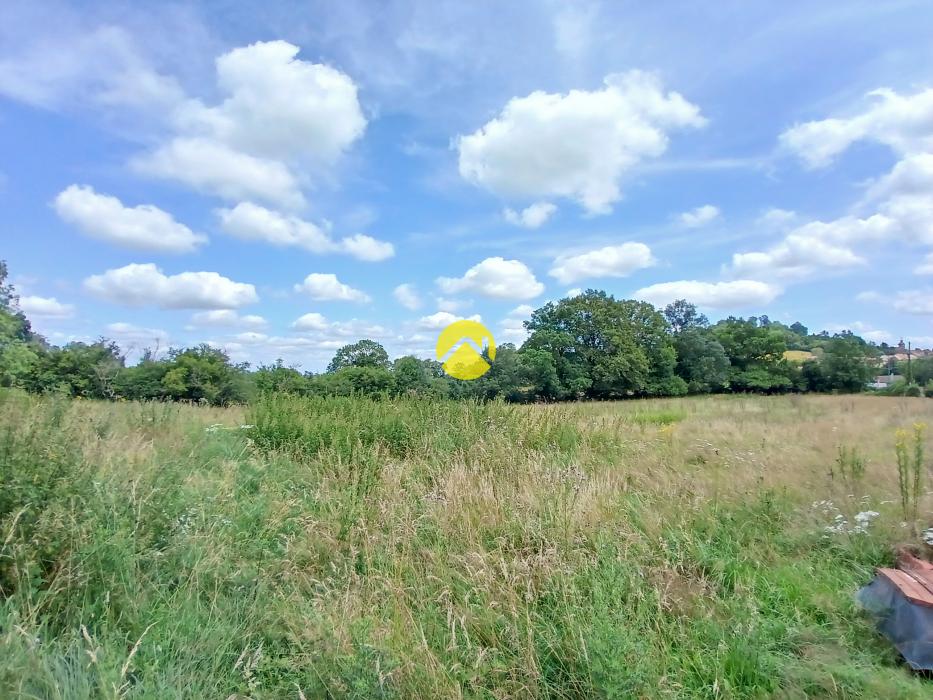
{"type": "Point", "coordinates": [326, 287]}
{"type": "Point", "coordinates": [278, 106]}
{"type": "Point", "coordinates": [573, 292]}
{"type": "Point", "coordinates": [814, 247]}
{"type": "Point", "coordinates": [700, 216]}
{"type": "Point", "coordinates": [143, 227]}
{"type": "Point", "coordinates": [863, 330]}
{"type": "Point", "coordinates": [775, 218]}
{"type": "Point", "coordinates": [278, 111]}
{"type": "Point", "coordinates": [363, 247]}
{"type": "Point", "coordinates": [131, 334]}
{"type": "Point", "coordinates": [214, 168]}
{"type": "Point", "coordinates": [442, 319]}
{"type": "Point", "coordinates": [226, 318]}
{"type": "Point", "coordinates": [102, 67]}
{"type": "Point", "coordinates": [445, 304]}
{"type": "Point", "coordinates": [576, 145]}
{"type": "Point", "coordinates": [46, 307]}
{"type": "Point", "coordinates": [904, 123]}
{"type": "Point", "coordinates": [611, 261]}
{"type": "Point", "coordinates": [905, 195]}
{"type": "Point", "coordinates": [914, 301]}
{"type": "Point", "coordinates": [310, 322]}
{"type": "Point", "coordinates": [407, 296]}
{"type": "Point", "coordinates": [252, 222]}
{"type": "Point", "coordinates": [925, 267]}
{"type": "Point", "coordinates": [495, 278]}
{"type": "Point", "coordinates": [532, 216]}
{"type": "Point", "coordinates": [144, 284]}
{"type": "Point", "coordinates": [716, 295]}
{"type": "Point", "coordinates": [522, 311]}
{"type": "Point", "coordinates": [513, 327]}
{"type": "Point", "coordinates": [251, 337]}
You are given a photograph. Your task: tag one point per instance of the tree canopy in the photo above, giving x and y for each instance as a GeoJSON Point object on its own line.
{"type": "Point", "coordinates": [590, 346]}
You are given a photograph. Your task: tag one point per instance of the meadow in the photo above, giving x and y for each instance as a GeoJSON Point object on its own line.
{"type": "Point", "coordinates": [407, 548]}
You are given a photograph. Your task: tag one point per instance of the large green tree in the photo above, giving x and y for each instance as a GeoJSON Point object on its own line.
{"type": "Point", "coordinates": [88, 370]}
{"type": "Point", "coordinates": [603, 347]}
{"type": "Point", "coordinates": [756, 355]}
{"type": "Point", "coordinates": [19, 346]}
{"type": "Point", "coordinates": [363, 353]}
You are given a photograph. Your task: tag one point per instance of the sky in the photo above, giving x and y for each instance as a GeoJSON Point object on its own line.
{"type": "Point", "coordinates": [279, 179]}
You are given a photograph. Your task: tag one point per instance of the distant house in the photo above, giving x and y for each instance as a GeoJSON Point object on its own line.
{"type": "Point", "coordinates": [883, 381]}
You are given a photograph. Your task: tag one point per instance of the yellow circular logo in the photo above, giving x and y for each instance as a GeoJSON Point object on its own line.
{"type": "Point", "coordinates": [460, 349]}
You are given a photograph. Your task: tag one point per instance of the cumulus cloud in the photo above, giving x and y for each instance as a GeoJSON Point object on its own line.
{"type": "Point", "coordinates": [215, 168]}
{"type": "Point", "coordinates": [512, 327]}
{"type": "Point", "coordinates": [278, 106]}
{"type": "Point", "coordinates": [925, 267]}
{"type": "Point", "coordinates": [611, 261]}
{"type": "Point", "coordinates": [252, 222]}
{"type": "Point", "coordinates": [131, 334]}
{"type": "Point", "coordinates": [310, 322]}
{"type": "Point", "coordinates": [902, 200]}
{"type": "Point", "coordinates": [407, 296]}
{"type": "Point", "coordinates": [701, 216]}
{"type": "Point", "coordinates": [326, 287]}
{"type": "Point", "coordinates": [46, 307]}
{"type": "Point", "coordinates": [446, 304]}
{"type": "Point", "coordinates": [367, 248]}
{"type": "Point", "coordinates": [532, 216]}
{"type": "Point", "coordinates": [914, 301]}
{"type": "Point", "coordinates": [337, 331]}
{"type": "Point", "coordinates": [495, 278]}
{"type": "Point", "coordinates": [865, 330]}
{"type": "Point", "coordinates": [904, 123]}
{"type": "Point", "coordinates": [277, 111]}
{"type": "Point", "coordinates": [225, 318]}
{"type": "Point", "coordinates": [145, 284]}
{"type": "Point", "coordinates": [775, 218]}
{"type": "Point", "coordinates": [814, 247]}
{"type": "Point", "coordinates": [714, 295]}
{"type": "Point", "coordinates": [905, 195]}
{"type": "Point", "coordinates": [576, 145]}
{"type": "Point", "coordinates": [143, 227]}
{"type": "Point", "coordinates": [442, 319]}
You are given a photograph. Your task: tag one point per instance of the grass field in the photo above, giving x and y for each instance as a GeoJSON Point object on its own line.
{"type": "Point", "coordinates": [348, 548]}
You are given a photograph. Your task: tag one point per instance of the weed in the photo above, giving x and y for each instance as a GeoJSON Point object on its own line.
{"type": "Point", "coordinates": [851, 465]}
{"type": "Point", "coordinates": [908, 449]}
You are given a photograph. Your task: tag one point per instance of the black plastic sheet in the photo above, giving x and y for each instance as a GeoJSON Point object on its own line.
{"type": "Point", "coordinates": [908, 626]}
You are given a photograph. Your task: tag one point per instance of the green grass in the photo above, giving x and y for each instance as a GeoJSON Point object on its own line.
{"type": "Point", "coordinates": [349, 548]}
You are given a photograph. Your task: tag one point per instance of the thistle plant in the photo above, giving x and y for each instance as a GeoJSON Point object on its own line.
{"type": "Point", "coordinates": [910, 469]}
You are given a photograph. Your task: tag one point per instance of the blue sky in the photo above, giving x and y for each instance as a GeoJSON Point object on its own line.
{"type": "Point", "coordinates": [281, 179]}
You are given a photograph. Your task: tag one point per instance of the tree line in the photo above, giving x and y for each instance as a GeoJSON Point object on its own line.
{"type": "Point", "coordinates": [591, 346]}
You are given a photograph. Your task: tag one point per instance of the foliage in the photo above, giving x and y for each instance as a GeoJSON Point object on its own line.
{"type": "Point", "coordinates": [363, 353]}
{"type": "Point", "coordinates": [701, 362]}
{"type": "Point", "coordinates": [844, 366]}
{"type": "Point", "coordinates": [682, 316]}
{"type": "Point", "coordinates": [851, 465]}
{"type": "Point", "coordinates": [756, 355]}
{"type": "Point", "coordinates": [910, 468]}
{"type": "Point", "coordinates": [589, 346]}
{"type": "Point", "coordinates": [605, 348]}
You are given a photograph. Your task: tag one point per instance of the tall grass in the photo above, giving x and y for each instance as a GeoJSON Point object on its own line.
{"type": "Point", "coordinates": [349, 548]}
